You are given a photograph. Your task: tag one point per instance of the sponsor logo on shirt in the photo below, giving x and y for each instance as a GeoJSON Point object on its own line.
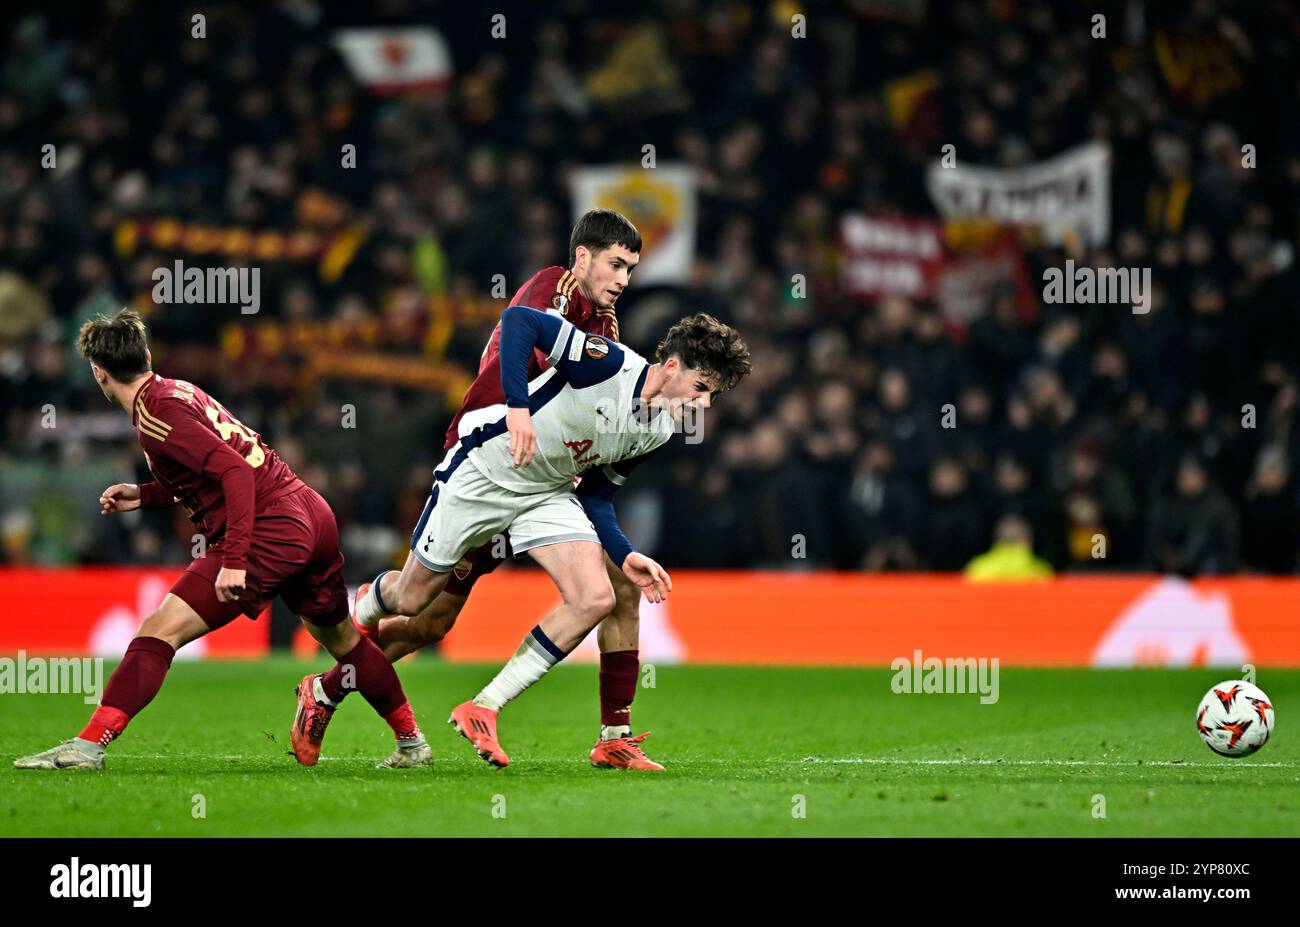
{"type": "Point", "coordinates": [579, 448]}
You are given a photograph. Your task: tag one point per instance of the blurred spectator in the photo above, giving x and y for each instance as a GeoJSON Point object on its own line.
{"type": "Point", "coordinates": [1195, 530]}
{"type": "Point", "coordinates": [1270, 523]}
{"type": "Point", "coordinates": [1012, 555]}
{"type": "Point", "coordinates": [954, 526]}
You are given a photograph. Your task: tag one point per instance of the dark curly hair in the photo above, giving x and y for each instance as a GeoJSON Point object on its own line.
{"type": "Point", "coordinates": [704, 343]}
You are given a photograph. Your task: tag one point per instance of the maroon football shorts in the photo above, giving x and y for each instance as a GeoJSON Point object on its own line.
{"type": "Point", "coordinates": [294, 554]}
{"type": "Point", "coordinates": [477, 562]}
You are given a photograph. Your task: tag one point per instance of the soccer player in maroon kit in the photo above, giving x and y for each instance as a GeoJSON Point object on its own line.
{"type": "Point", "coordinates": [604, 247]}
{"type": "Point", "coordinates": [266, 532]}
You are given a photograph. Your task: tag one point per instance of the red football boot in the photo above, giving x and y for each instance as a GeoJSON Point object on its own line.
{"type": "Point", "coordinates": [309, 723]}
{"type": "Point", "coordinates": [370, 634]}
{"type": "Point", "coordinates": [622, 753]}
{"type": "Point", "coordinates": [478, 725]}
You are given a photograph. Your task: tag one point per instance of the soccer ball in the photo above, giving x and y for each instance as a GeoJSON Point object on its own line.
{"type": "Point", "coordinates": [1235, 718]}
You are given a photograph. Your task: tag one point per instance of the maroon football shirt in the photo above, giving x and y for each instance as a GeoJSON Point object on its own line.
{"type": "Point", "coordinates": [208, 461]}
{"type": "Point", "coordinates": [550, 288]}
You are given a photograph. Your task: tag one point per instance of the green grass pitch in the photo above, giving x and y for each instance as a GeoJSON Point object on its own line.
{"type": "Point", "coordinates": [747, 749]}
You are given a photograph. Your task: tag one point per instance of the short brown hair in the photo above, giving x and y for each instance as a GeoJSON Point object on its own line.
{"type": "Point", "coordinates": [598, 229]}
{"type": "Point", "coordinates": [119, 344]}
{"type": "Point", "coordinates": [704, 343]}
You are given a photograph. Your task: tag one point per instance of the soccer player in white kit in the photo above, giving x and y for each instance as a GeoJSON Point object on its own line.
{"type": "Point", "coordinates": [597, 412]}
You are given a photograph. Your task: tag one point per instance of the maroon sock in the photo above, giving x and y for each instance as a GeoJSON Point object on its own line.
{"type": "Point", "coordinates": [331, 681]}
{"type": "Point", "coordinates": [132, 686]}
{"type": "Point", "coordinates": [618, 671]}
{"type": "Point", "coordinates": [378, 684]}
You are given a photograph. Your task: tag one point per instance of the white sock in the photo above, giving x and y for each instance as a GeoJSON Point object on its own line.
{"type": "Point", "coordinates": [318, 693]}
{"type": "Point", "coordinates": [614, 731]}
{"type": "Point", "coordinates": [369, 611]}
{"type": "Point", "coordinates": [533, 660]}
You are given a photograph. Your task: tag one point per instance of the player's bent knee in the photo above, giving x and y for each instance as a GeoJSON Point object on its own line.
{"type": "Point", "coordinates": [431, 634]}
{"type": "Point", "coordinates": [595, 604]}
{"type": "Point", "coordinates": [339, 639]}
{"type": "Point", "coordinates": [440, 617]}
{"type": "Point", "coordinates": [174, 621]}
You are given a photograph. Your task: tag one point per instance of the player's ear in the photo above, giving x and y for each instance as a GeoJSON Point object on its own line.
{"type": "Point", "coordinates": [148, 358]}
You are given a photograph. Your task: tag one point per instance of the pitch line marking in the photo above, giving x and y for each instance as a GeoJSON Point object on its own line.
{"type": "Point", "coordinates": [898, 761]}
{"type": "Point", "coordinates": [832, 761]}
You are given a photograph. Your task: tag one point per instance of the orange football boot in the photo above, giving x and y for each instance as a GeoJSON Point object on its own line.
{"type": "Point", "coordinates": [622, 753]}
{"type": "Point", "coordinates": [309, 723]}
{"type": "Point", "coordinates": [370, 634]}
{"type": "Point", "coordinates": [478, 725]}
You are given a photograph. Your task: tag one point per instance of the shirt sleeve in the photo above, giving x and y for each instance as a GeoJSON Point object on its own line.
{"type": "Point", "coordinates": [153, 495]}
{"type": "Point", "coordinates": [542, 290]}
{"type": "Point", "coordinates": [584, 360]}
{"type": "Point", "coordinates": [596, 493]}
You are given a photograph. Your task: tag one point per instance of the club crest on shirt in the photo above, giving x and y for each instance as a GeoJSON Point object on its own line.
{"type": "Point", "coordinates": [597, 347]}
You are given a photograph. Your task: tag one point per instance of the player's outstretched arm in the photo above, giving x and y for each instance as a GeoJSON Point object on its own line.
{"type": "Point", "coordinates": [120, 497]}
{"type": "Point", "coordinates": [653, 580]}
{"type": "Point", "coordinates": [127, 497]}
{"type": "Point", "coordinates": [596, 493]}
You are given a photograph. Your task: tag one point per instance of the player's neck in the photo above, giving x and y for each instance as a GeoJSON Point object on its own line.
{"type": "Point", "coordinates": [654, 383]}
{"type": "Point", "coordinates": [582, 286]}
{"type": "Point", "coordinates": [124, 393]}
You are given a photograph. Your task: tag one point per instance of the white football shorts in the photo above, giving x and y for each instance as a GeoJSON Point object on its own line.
{"type": "Point", "coordinates": [468, 510]}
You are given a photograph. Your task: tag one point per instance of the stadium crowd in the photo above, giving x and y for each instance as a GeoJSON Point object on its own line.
{"type": "Point", "coordinates": [1170, 434]}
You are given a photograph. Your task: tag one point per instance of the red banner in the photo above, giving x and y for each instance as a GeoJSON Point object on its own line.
{"type": "Point", "coordinates": [958, 265]}
{"type": "Point", "coordinates": [95, 612]}
{"type": "Point", "coordinates": [765, 618]}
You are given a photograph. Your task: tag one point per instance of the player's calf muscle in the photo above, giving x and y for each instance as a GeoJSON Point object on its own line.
{"type": "Point", "coordinates": [413, 589]}
{"type": "Point", "coordinates": [338, 639]}
{"type": "Point", "coordinates": [432, 624]}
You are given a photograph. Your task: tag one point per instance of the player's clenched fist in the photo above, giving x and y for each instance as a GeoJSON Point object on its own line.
{"type": "Point", "coordinates": [652, 579]}
{"type": "Point", "coordinates": [120, 497]}
{"type": "Point", "coordinates": [523, 436]}
{"type": "Point", "coordinates": [230, 585]}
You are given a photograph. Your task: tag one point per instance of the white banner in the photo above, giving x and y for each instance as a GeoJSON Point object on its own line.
{"type": "Point", "coordinates": [659, 201]}
{"type": "Point", "coordinates": [1064, 195]}
{"type": "Point", "coordinates": [394, 60]}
